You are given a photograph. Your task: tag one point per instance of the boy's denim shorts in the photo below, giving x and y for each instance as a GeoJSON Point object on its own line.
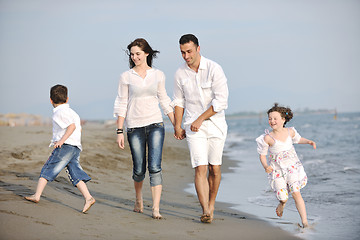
{"type": "Point", "coordinates": [68, 157]}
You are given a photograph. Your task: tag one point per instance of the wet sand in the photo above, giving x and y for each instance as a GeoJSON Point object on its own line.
{"type": "Point", "coordinates": [24, 150]}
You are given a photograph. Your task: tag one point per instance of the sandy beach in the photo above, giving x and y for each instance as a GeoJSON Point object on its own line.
{"type": "Point", "coordinates": [23, 151]}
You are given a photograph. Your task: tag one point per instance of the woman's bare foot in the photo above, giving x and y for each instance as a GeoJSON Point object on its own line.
{"type": "Point", "coordinates": [280, 209]}
{"type": "Point", "coordinates": [139, 207]}
{"type": "Point", "coordinates": [32, 198]}
{"type": "Point", "coordinates": [88, 204]}
{"type": "Point", "coordinates": [156, 214]}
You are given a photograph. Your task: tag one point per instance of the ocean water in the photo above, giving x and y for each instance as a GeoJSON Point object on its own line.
{"type": "Point", "coordinates": [332, 195]}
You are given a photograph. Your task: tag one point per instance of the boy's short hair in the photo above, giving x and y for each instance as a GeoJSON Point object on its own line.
{"type": "Point", "coordinates": [58, 94]}
{"type": "Point", "coordinates": [189, 38]}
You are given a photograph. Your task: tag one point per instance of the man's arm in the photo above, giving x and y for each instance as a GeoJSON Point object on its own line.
{"type": "Point", "coordinates": [197, 123]}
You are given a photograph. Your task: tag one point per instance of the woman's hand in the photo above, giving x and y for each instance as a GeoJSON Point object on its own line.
{"type": "Point", "coordinates": [120, 140]}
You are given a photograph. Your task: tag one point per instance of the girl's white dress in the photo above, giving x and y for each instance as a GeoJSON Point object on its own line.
{"type": "Point", "coordinates": [288, 174]}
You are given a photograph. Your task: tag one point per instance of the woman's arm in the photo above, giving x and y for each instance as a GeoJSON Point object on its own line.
{"type": "Point", "coordinates": [120, 136]}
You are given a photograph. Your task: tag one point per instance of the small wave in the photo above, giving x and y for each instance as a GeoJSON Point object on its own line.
{"type": "Point", "coordinates": [314, 162]}
{"type": "Point", "coordinates": [265, 201]}
{"type": "Point", "coordinates": [235, 137]}
{"type": "Point", "coordinates": [351, 169]}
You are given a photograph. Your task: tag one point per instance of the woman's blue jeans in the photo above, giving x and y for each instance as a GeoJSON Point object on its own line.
{"type": "Point", "coordinates": [152, 137]}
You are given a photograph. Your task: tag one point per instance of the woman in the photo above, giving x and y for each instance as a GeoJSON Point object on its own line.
{"type": "Point", "coordinates": [140, 91]}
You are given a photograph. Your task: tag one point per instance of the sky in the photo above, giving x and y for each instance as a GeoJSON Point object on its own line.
{"type": "Point", "coordinates": [299, 53]}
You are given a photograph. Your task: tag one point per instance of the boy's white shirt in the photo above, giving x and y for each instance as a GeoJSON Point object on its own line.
{"type": "Point", "coordinates": [62, 117]}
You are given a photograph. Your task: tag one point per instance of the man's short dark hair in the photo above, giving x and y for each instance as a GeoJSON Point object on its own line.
{"type": "Point", "coordinates": [189, 38]}
{"type": "Point", "coordinates": [58, 94]}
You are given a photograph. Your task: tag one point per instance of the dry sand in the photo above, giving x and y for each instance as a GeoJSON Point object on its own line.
{"type": "Point", "coordinates": [23, 151]}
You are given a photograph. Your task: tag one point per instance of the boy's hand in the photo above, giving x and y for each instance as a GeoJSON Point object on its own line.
{"type": "Point", "coordinates": [58, 144]}
{"type": "Point", "coordinates": [120, 140]}
{"type": "Point", "coordinates": [268, 169]}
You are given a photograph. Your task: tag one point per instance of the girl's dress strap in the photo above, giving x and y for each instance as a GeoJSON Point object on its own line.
{"type": "Point", "coordinates": [268, 133]}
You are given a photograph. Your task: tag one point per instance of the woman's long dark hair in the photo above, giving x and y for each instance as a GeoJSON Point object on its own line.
{"type": "Point", "coordinates": [143, 45]}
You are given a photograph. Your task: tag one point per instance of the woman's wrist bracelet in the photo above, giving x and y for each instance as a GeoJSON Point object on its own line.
{"type": "Point", "coordinates": [119, 131]}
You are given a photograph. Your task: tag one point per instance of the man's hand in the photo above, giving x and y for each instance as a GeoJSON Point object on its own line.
{"type": "Point", "coordinates": [195, 126]}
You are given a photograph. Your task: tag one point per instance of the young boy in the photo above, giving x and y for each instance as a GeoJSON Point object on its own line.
{"type": "Point", "coordinates": [67, 147]}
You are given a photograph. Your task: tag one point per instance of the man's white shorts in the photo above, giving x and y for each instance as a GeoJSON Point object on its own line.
{"type": "Point", "coordinates": [206, 146]}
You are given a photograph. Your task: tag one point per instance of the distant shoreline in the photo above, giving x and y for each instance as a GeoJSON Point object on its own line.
{"type": "Point", "coordinates": [28, 119]}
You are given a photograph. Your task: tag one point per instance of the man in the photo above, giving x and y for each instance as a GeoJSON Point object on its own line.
{"type": "Point", "coordinates": [200, 90]}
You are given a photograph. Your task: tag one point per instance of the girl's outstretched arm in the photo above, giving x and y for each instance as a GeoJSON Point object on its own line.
{"type": "Point", "coordinates": [307, 141]}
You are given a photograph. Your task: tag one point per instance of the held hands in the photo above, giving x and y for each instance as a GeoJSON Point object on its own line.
{"type": "Point", "coordinates": [120, 140]}
{"type": "Point", "coordinates": [179, 133]}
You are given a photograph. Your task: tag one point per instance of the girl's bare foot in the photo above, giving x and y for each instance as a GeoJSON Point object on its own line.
{"type": "Point", "coordinates": [32, 198]}
{"type": "Point", "coordinates": [88, 204]}
{"type": "Point", "coordinates": [139, 207]}
{"type": "Point", "coordinates": [156, 214]}
{"type": "Point", "coordinates": [305, 225]}
{"type": "Point", "coordinates": [280, 209]}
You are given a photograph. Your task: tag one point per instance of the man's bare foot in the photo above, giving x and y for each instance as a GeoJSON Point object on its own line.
{"type": "Point", "coordinates": [32, 198]}
{"type": "Point", "coordinates": [205, 218]}
{"type": "Point", "coordinates": [280, 209]}
{"type": "Point", "coordinates": [211, 213]}
{"type": "Point", "coordinates": [139, 207]}
{"type": "Point", "coordinates": [88, 204]}
{"type": "Point", "coordinates": [156, 214]}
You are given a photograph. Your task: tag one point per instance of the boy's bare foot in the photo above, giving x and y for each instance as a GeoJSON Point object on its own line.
{"type": "Point", "coordinates": [280, 209]}
{"type": "Point", "coordinates": [139, 207]}
{"type": "Point", "coordinates": [205, 218]}
{"type": "Point", "coordinates": [32, 198]}
{"type": "Point", "coordinates": [156, 214]}
{"type": "Point", "coordinates": [88, 204]}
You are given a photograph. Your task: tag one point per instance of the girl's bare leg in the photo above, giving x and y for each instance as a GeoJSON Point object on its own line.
{"type": "Point", "coordinates": [139, 206]}
{"type": "Point", "coordinates": [39, 190]}
{"type": "Point", "coordinates": [280, 208]}
{"type": "Point", "coordinates": [300, 205]}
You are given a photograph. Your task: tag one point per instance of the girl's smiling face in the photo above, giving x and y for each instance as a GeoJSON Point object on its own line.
{"type": "Point", "coordinates": [275, 120]}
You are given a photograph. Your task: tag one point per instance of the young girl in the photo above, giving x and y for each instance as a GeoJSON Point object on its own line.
{"type": "Point", "coordinates": [285, 170]}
